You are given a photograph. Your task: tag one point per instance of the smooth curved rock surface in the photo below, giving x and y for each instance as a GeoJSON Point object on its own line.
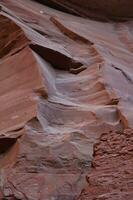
{"type": "Point", "coordinates": [65, 81]}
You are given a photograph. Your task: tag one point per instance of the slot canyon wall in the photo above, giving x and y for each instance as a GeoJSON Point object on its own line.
{"type": "Point", "coordinates": [66, 100]}
{"type": "Point", "coordinates": [112, 9]}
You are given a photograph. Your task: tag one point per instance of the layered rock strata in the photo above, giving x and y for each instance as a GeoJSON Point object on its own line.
{"type": "Point", "coordinates": [65, 81]}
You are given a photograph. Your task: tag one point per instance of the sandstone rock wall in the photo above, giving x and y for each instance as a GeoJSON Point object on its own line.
{"type": "Point", "coordinates": [66, 101]}
{"type": "Point", "coordinates": [103, 9]}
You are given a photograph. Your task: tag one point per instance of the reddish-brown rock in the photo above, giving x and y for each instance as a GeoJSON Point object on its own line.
{"type": "Point", "coordinates": [111, 175]}
{"type": "Point", "coordinates": [64, 81]}
{"type": "Point", "coordinates": [19, 76]}
{"type": "Point", "coordinates": [113, 9]}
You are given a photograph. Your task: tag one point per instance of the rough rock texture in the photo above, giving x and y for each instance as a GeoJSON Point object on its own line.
{"type": "Point", "coordinates": [64, 81]}
{"type": "Point", "coordinates": [111, 176]}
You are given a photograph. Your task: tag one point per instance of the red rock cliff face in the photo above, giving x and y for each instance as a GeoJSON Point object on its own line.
{"type": "Point", "coordinates": [66, 98]}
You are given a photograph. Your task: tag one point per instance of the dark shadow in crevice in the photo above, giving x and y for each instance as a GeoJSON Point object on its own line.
{"type": "Point", "coordinates": [111, 11]}
{"type": "Point", "coordinates": [6, 143]}
{"type": "Point", "coordinates": [58, 6]}
{"type": "Point", "coordinates": [55, 58]}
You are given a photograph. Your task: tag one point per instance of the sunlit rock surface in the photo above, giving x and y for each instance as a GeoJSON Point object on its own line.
{"type": "Point", "coordinates": [66, 101]}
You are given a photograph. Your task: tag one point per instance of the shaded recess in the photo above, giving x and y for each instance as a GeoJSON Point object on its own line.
{"type": "Point", "coordinates": [6, 143]}
{"type": "Point", "coordinates": [93, 8]}
{"type": "Point", "coordinates": [57, 59]}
